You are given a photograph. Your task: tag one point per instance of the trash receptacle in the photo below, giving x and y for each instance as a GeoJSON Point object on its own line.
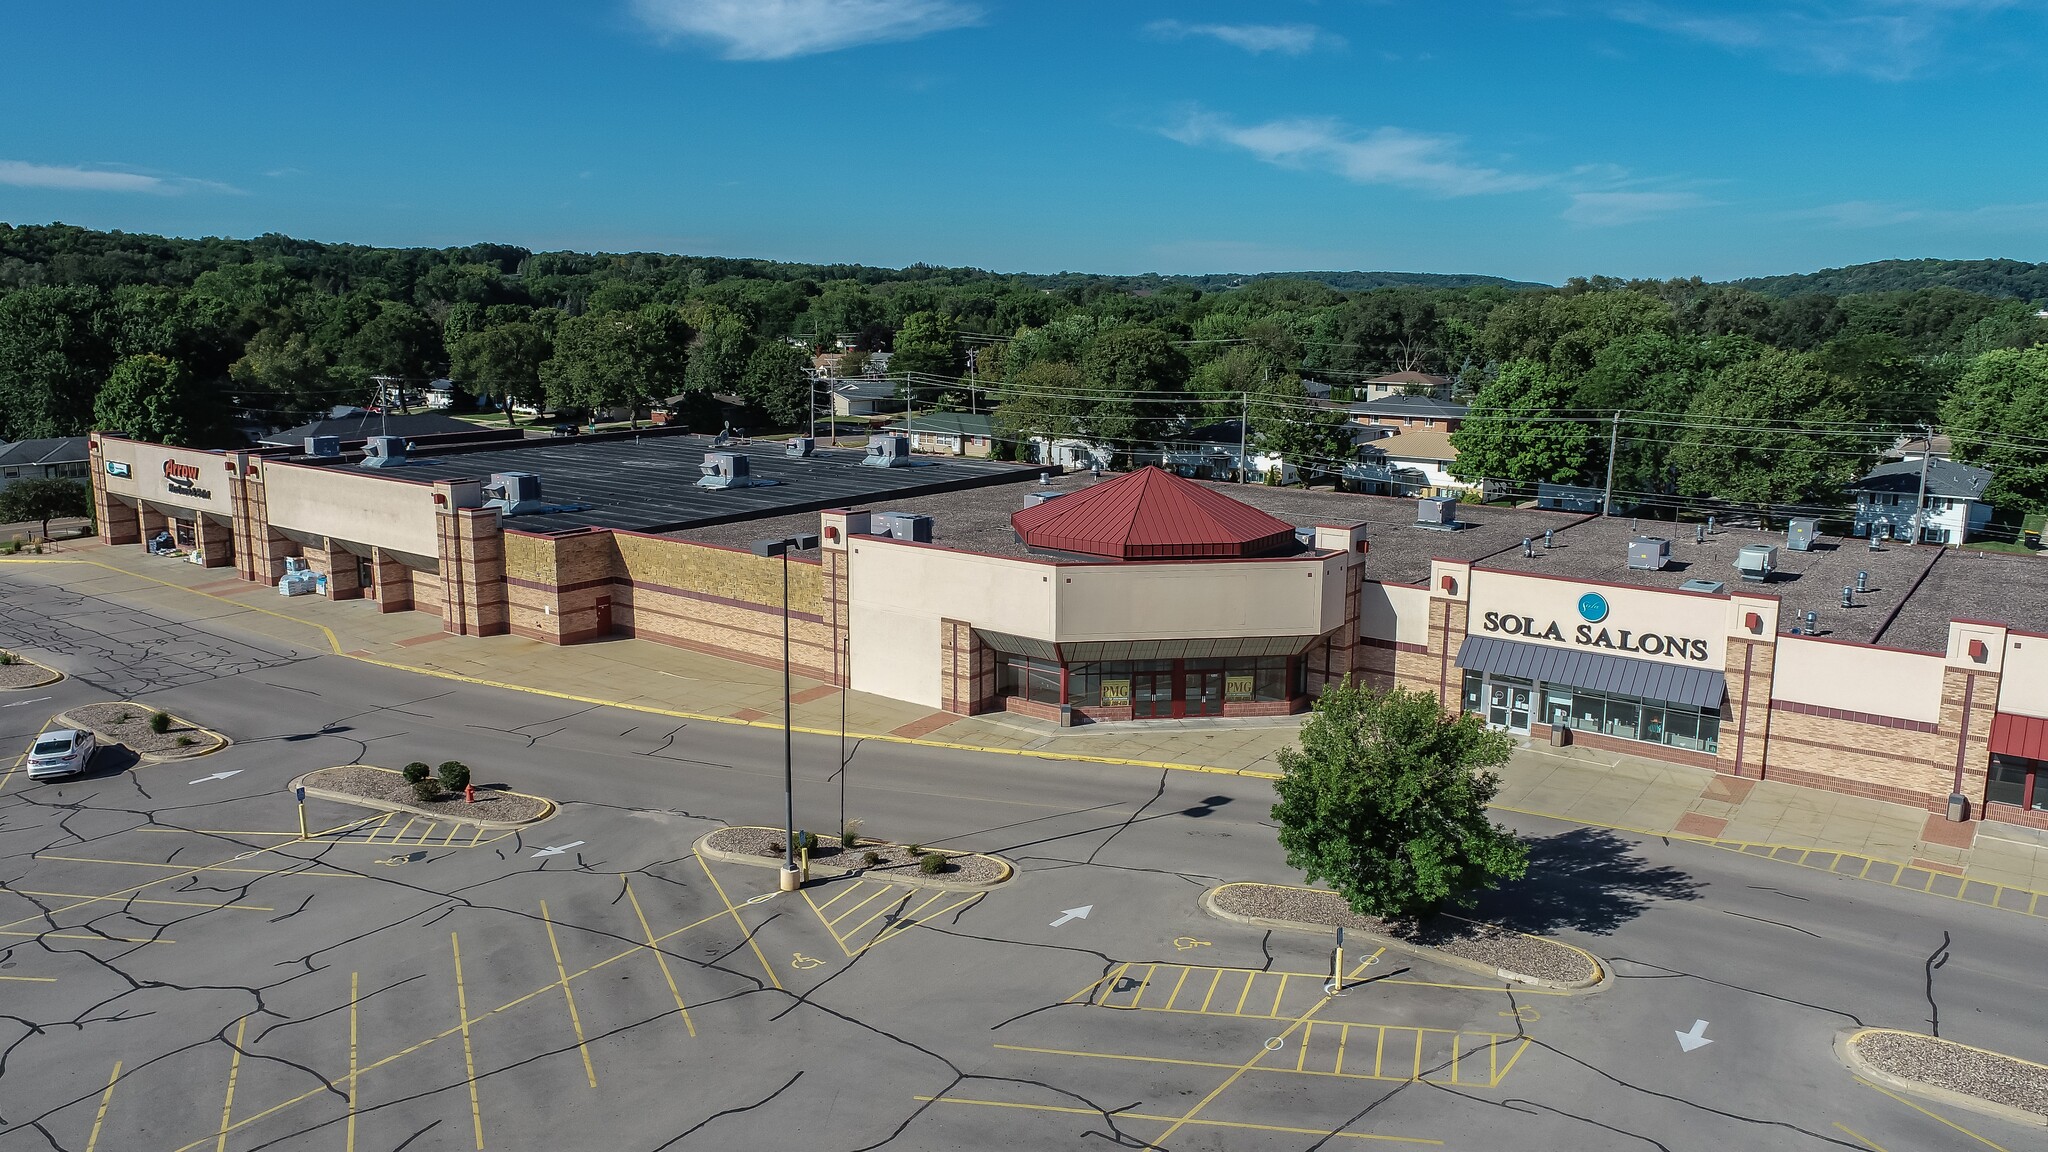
{"type": "Point", "coordinates": [1560, 736]}
{"type": "Point", "coordinates": [1958, 807]}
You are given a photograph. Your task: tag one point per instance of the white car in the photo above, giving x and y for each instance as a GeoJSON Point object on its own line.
{"type": "Point", "coordinates": [64, 752]}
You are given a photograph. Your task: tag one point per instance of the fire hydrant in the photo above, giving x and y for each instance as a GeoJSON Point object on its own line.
{"type": "Point", "coordinates": [469, 793]}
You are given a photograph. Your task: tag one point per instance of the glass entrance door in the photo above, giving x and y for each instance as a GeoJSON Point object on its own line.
{"type": "Point", "coordinates": [1508, 704]}
{"type": "Point", "coordinates": [1205, 692]}
{"type": "Point", "coordinates": [1152, 690]}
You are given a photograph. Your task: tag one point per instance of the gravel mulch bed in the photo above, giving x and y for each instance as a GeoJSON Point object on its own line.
{"type": "Point", "coordinates": [24, 674]}
{"type": "Point", "coordinates": [128, 724]}
{"type": "Point", "coordinates": [1969, 1071]}
{"type": "Point", "coordinates": [390, 787]}
{"type": "Point", "coordinates": [961, 867]}
{"type": "Point", "coordinates": [1452, 935]}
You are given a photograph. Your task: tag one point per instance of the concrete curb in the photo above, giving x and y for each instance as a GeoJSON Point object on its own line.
{"type": "Point", "coordinates": [45, 683]}
{"type": "Point", "coordinates": [376, 804]}
{"type": "Point", "coordinates": [1845, 1051]}
{"type": "Point", "coordinates": [819, 870]}
{"type": "Point", "coordinates": [220, 741]}
{"type": "Point", "coordinates": [1600, 980]}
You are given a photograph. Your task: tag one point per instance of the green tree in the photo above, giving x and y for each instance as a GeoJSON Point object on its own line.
{"type": "Point", "coordinates": [152, 398]}
{"type": "Point", "coordinates": [2000, 403]}
{"type": "Point", "coordinates": [618, 359]}
{"type": "Point", "coordinates": [1122, 368]}
{"type": "Point", "coordinates": [43, 498]}
{"type": "Point", "coordinates": [720, 354]}
{"type": "Point", "coordinates": [1758, 432]}
{"type": "Point", "coordinates": [1512, 430]}
{"type": "Point", "coordinates": [1385, 801]}
{"type": "Point", "coordinates": [776, 382]}
{"type": "Point", "coordinates": [1042, 400]}
{"type": "Point", "coordinates": [1284, 422]}
{"type": "Point", "coordinates": [928, 345]}
{"type": "Point", "coordinates": [502, 360]}
{"type": "Point", "coordinates": [281, 371]}
{"type": "Point", "coordinates": [53, 355]}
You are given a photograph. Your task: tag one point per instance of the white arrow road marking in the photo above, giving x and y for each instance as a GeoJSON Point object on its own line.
{"type": "Point", "coordinates": [1697, 1038]}
{"type": "Point", "coordinates": [19, 703]}
{"type": "Point", "coordinates": [217, 776]}
{"type": "Point", "coordinates": [557, 849]}
{"type": "Point", "coordinates": [1080, 913]}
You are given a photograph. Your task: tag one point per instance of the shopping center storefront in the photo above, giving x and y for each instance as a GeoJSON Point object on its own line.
{"type": "Point", "coordinates": [1152, 679]}
{"type": "Point", "coordinates": [1518, 687]}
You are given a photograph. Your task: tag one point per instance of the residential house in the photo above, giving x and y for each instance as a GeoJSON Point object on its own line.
{"type": "Point", "coordinates": [1397, 414]}
{"type": "Point", "coordinates": [1404, 384]}
{"type": "Point", "coordinates": [1954, 508]}
{"type": "Point", "coordinates": [440, 395]}
{"type": "Point", "coordinates": [947, 433]}
{"type": "Point", "coordinates": [863, 397]}
{"type": "Point", "coordinates": [1409, 464]}
{"type": "Point", "coordinates": [61, 457]}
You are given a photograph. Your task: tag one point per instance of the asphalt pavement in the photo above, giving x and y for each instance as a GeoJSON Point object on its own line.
{"type": "Point", "coordinates": [180, 971]}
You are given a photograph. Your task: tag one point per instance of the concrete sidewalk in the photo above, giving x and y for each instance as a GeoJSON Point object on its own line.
{"type": "Point", "coordinates": [1572, 784]}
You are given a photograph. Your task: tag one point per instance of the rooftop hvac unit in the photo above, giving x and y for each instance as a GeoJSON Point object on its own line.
{"type": "Point", "coordinates": [1438, 512]}
{"type": "Point", "coordinates": [513, 493]}
{"type": "Point", "coordinates": [1757, 561]}
{"type": "Point", "coordinates": [1709, 586]}
{"type": "Point", "coordinates": [1033, 499]}
{"type": "Point", "coordinates": [1649, 553]}
{"type": "Point", "coordinates": [323, 446]}
{"type": "Point", "coordinates": [723, 470]}
{"type": "Point", "coordinates": [800, 446]}
{"type": "Point", "coordinates": [910, 526]}
{"type": "Point", "coordinates": [888, 452]}
{"type": "Point", "coordinates": [384, 451]}
{"type": "Point", "coordinates": [1801, 533]}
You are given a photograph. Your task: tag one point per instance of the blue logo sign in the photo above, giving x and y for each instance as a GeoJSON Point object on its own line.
{"type": "Point", "coordinates": [1593, 607]}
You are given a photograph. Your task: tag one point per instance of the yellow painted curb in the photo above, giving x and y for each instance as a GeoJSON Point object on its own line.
{"type": "Point", "coordinates": [1845, 1050]}
{"type": "Point", "coordinates": [1600, 979]}
{"type": "Point", "coordinates": [548, 808]}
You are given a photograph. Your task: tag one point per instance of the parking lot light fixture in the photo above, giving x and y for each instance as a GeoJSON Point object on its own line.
{"type": "Point", "coordinates": [791, 878]}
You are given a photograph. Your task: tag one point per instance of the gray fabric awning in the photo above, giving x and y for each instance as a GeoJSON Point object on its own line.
{"type": "Point", "coordinates": [1597, 671]}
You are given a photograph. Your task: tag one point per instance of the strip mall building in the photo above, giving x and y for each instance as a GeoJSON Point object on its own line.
{"type": "Point", "coordinates": [1902, 673]}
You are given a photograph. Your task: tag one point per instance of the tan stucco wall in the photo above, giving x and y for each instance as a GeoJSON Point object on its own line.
{"type": "Point", "coordinates": [1397, 612]}
{"type": "Point", "coordinates": [898, 593]}
{"type": "Point", "coordinates": [146, 479]}
{"type": "Point", "coordinates": [352, 506]}
{"type": "Point", "coordinates": [1639, 610]}
{"type": "Point", "coordinates": [1166, 601]}
{"type": "Point", "coordinates": [2024, 688]}
{"type": "Point", "coordinates": [1856, 678]}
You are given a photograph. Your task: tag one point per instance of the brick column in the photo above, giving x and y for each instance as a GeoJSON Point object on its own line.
{"type": "Point", "coordinates": [153, 521]}
{"type": "Point", "coordinates": [119, 523]}
{"type": "Point", "coordinates": [344, 579]}
{"type": "Point", "coordinates": [472, 546]}
{"type": "Point", "coordinates": [216, 542]}
{"type": "Point", "coordinates": [1750, 668]}
{"type": "Point", "coordinates": [260, 550]}
{"type": "Point", "coordinates": [966, 669]}
{"type": "Point", "coordinates": [393, 580]}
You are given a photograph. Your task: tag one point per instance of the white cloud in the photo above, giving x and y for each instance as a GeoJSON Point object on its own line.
{"type": "Point", "coordinates": [1609, 209]}
{"type": "Point", "coordinates": [22, 174]}
{"type": "Point", "coordinates": [1287, 39]}
{"type": "Point", "coordinates": [2022, 217]}
{"type": "Point", "coordinates": [1391, 156]}
{"type": "Point", "coordinates": [783, 29]}
{"type": "Point", "coordinates": [1880, 39]}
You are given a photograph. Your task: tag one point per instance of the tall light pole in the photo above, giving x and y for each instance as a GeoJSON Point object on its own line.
{"type": "Point", "coordinates": [783, 547]}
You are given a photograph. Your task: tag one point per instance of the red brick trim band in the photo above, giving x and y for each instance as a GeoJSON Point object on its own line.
{"type": "Point", "coordinates": [1853, 717]}
{"type": "Point", "coordinates": [1393, 645]}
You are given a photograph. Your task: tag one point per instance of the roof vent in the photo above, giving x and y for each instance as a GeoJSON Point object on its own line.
{"type": "Point", "coordinates": [1439, 513]}
{"type": "Point", "coordinates": [800, 446]}
{"type": "Point", "coordinates": [384, 452]}
{"type": "Point", "coordinates": [1712, 587]}
{"type": "Point", "coordinates": [1801, 533]}
{"type": "Point", "coordinates": [323, 446]}
{"type": "Point", "coordinates": [910, 526]}
{"type": "Point", "coordinates": [1649, 553]}
{"type": "Point", "coordinates": [1757, 561]}
{"type": "Point", "coordinates": [513, 493]}
{"type": "Point", "coordinates": [1033, 499]}
{"type": "Point", "coordinates": [888, 452]}
{"type": "Point", "coordinates": [727, 470]}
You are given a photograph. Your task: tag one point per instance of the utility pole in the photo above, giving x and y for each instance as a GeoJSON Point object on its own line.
{"type": "Point", "coordinates": [1920, 500]}
{"type": "Point", "coordinates": [1244, 424]}
{"type": "Point", "coordinates": [1613, 437]}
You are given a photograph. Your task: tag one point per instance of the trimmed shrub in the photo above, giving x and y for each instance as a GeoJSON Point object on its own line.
{"type": "Point", "coordinates": [8, 658]}
{"type": "Point", "coordinates": [914, 850]}
{"type": "Point", "coordinates": [932, 863]}
{"type": "Point", "coordinates": [454, 775]}
{"type": "Point", "coordinates": [426, 789]}
{"type": "Point", "coordinates": [415, 772]}
{"type": "Point", "coordinates": [160, 722]}
{"type": "Point", "coordinates": [871, 858]}
{"type": "Point", "coordinates": [807, 842]}
{"type": "Point", "coordinates": [849, 835]}
{"type": "Point", "coordinates": [186, 741]}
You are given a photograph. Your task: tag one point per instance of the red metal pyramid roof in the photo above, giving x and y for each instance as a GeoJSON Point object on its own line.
{"type": "Point", "coordinates": [1150, 514]}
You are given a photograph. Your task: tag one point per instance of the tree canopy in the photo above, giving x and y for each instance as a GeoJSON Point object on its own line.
{"type": "Point", "coordinates": [1385, 801]}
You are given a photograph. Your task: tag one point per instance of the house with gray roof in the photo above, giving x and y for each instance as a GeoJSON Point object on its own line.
{"type": "Point", "coordinates": [1954, 504]}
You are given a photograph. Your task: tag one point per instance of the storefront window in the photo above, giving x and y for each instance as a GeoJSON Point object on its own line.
{"type": "Point", "coordinates": [1475, 684]}
{"type": "Point", "coordinates": [2018, 781]}
{"type": "Point", "coordinates": [1650, 721]}
{"type": "Point", "coordinates": [1027, 678]}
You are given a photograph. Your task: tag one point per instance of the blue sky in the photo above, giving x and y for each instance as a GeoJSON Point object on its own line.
{"type": "Point", "coordinates": [1536, 139]}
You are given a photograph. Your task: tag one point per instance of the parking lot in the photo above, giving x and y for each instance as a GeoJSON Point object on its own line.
{"type": "Point", "coordinates": [180, 971]}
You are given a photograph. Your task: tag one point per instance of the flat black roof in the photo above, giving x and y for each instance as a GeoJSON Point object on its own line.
{"type": "Point", "coordinates": [1967, 585]}
{"type": "Point", "coordinates": [649, 484]}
